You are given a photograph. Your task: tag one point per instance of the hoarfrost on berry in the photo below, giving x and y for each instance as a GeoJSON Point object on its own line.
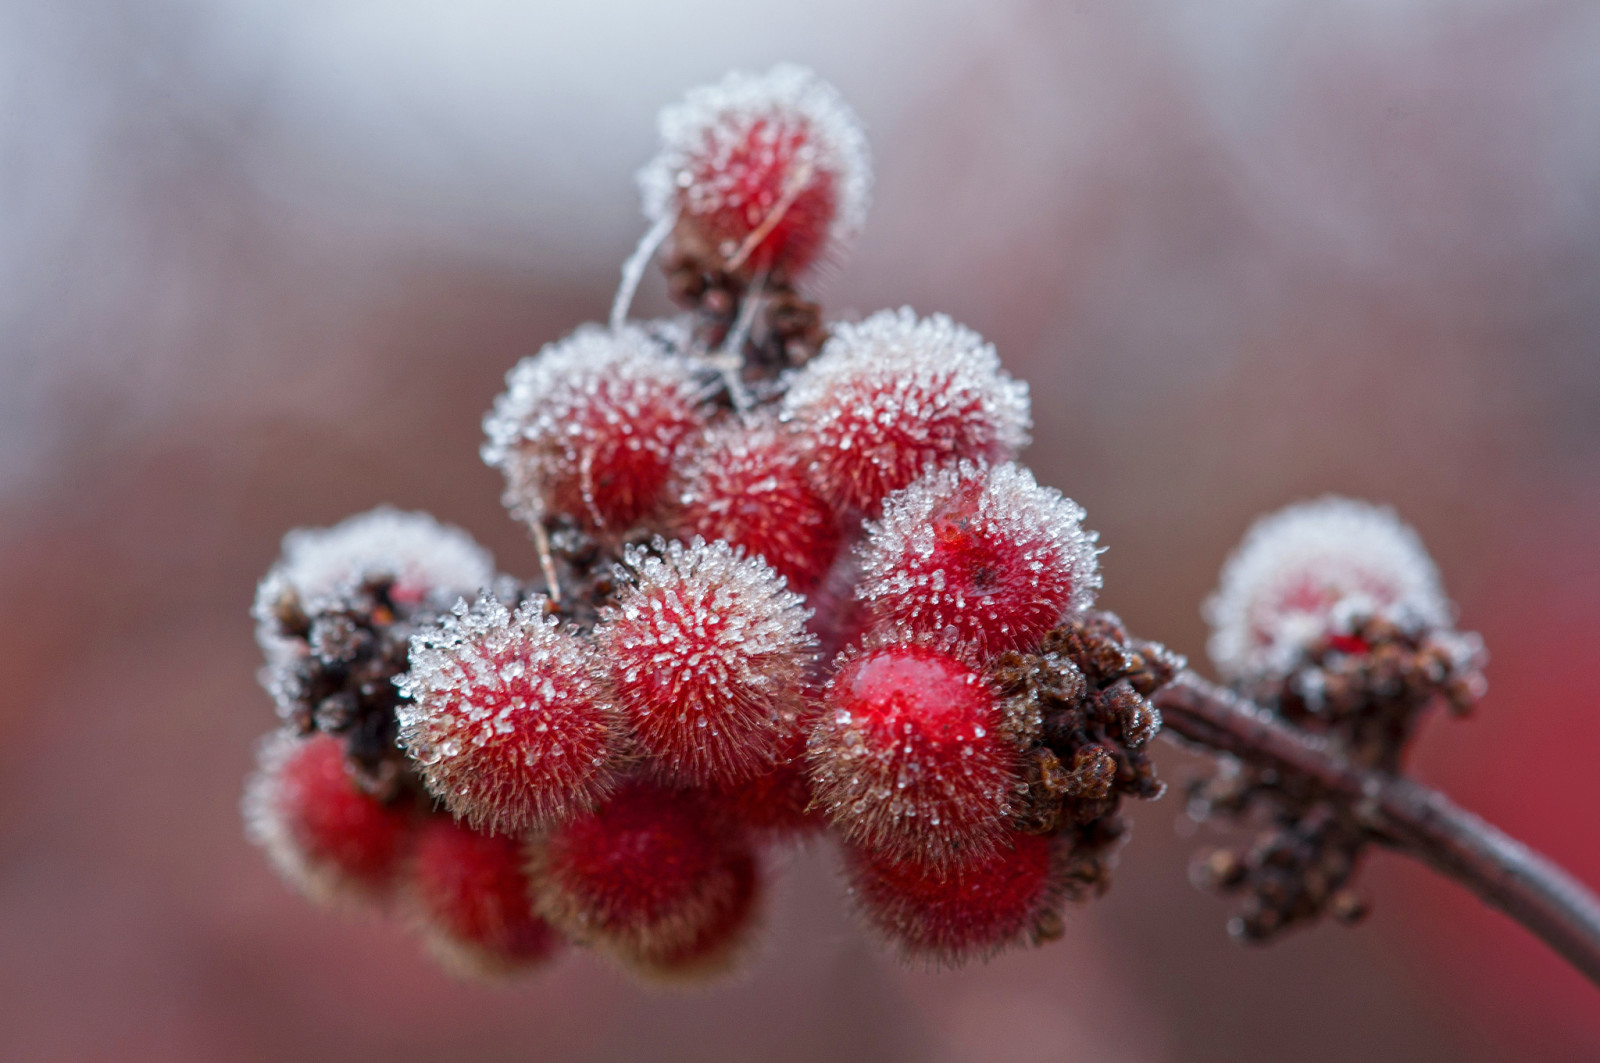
{"type": "Point", "coordinates": [508, 724]}
{"type": "Point", "coordinates": [984, 552]}
{"type": "Point", "coordinates": [769, 171]}
{"type": "Point", "coordinates": [588, 427]}
{"type": "Point", "coordinates": [707, 656]}
{"type": "Point", "coordinates": [1311, 570]}
{"type": "Point", "coordinates": [895, 395]}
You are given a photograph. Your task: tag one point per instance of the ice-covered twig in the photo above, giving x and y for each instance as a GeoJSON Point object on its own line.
{"type": "Point", "coordinates": [1401, 814]}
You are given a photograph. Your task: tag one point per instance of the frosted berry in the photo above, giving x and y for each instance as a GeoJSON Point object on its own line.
{"type": "Point", "coordinates": [775, 803]}
{"type": "Point", "coordinates": [764, 172]}
{"type": "Point", "coordinates": [1311, 570]}
{"type": "Point", "coordinates": [508, 725]}
{"type": "Point", "coordinates": [706, 654]}
{"type": "Point", "coordinates": [722, 941]}
{"type": "Point", "coordinates": [474, 902]}
{"type": "Point", "coordinates": [895, 395]}
{"type": "Point", "coordinates": [911, 754]}
{"type": "Point", "coordinates": [644, 875]}
{"type": "Point", "coordinates": [325, 835]}
{"type": "Point", "coordinates": [984, 554]}
{"type": "Point", "coordinates": [588, 427]}
{"type": "Point", "coordinates": [752, 488]}
{"type": "Point", "coordinates": [967, 911]}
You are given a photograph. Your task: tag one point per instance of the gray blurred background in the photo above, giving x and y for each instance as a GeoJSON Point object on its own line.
{"type": "Point", "coordinates": [263, 263]}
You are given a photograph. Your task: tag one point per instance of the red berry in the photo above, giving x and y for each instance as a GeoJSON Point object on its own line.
{"type": "Point", "coordinates": [706, 654]}
{"type": "Point", "coordinates": [474, 901]}
{"type": "Point", "coordinates": [985, 555]}
{"type": "Point", "coordinates": [767, 172]}
{"type": "Point", "coordinates": [775, 803]}
{"type": "Point", "coordinates": [507, 724]}
{"type": "Point", "coordinates": [588, 427]}
{"type": "Point", "coordinates": [893, 396]}
{"type": "Point", "coordinates": [751, 487]}
{"type": "Point", "coordinates": [325, 835]}
{"type": "Point", "coordinates": [721, 941]}
{"type": "Point", "coordinates": [645, 874]}
{"type": "Point", "coordinates": [910, 754]}
{"type": "Point", "coordinates": [966, 911]}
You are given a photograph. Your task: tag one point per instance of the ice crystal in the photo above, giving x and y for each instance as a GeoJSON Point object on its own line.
{"type": "Point", "coordinates": [1314, 569]}
{"type": "Point", "coordinates": [707, 655]}
{"type": "Point", "coordinates": [985, 554]}
{"type": "Point", "coordinates": [507, 724]}
{"type": "Point", "coordinates": [893, 395]}
{"type": "Point", "coordinates": [588, 426]}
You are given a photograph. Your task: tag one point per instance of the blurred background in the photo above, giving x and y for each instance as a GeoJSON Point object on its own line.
{"type": "Point", "coordinates": [263, 263]}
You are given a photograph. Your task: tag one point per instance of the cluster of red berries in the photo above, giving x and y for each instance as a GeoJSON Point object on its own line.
{"type": "Point", "coordinates": [790, 580]}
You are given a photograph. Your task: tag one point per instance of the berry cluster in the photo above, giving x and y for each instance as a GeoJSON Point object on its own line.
{"type": "Point", "coordinates": [1330, 615]}
{"type": "Point", "coordinates": [790, 581]}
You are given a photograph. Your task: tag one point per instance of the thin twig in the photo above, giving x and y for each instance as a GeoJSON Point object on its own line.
{"type": "Point", "coordinates": [1401, 814]}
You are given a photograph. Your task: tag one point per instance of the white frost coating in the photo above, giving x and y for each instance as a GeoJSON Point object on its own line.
{"type": "Point", "coordinates": [541, 424]}
{"type": "Point", "coordinates": [506, 723]}
{"type": "Point", "coordinates": [1317, 568]}
{"type": "Point", "coordinates": [1045, 562]}
{"type": "Point", "coordinates": [426, 559]}
{"type": "Point", "coordinates": [714, 119]}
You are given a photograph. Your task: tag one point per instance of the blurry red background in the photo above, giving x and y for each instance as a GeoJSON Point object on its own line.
{"type": "Point", "coordinates": [265, 264]}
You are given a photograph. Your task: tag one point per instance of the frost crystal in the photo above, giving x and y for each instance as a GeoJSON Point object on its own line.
{"type": "Point", "coordinates": [776, 161]}
{"type": "Point", "coordinates": [707, 654]}
{"type": "Point", "coordinates": [1313, 569]}
{"type": "Point", "coordinates": [985, 554]}
{"type": "Point", "coordinates": [891, 396]}
{"type": "Point", "coordinates": [507, 725]}
{"type": "Point", "coordinates": [588, 426]}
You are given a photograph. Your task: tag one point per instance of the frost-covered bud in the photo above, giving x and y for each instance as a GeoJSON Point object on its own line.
{"type": "Point", "coordinates": [984, 555]}
{"type": "Point", "coordinates": [706, 654]}
{"type": "Point", "coordinates": [1311, 571]}
{"type": "Point", "coordinates": [645, 875]}
{"type": "Point", "coordinates": [508, 725]}
{"type": "Point", "coordinates": [426, 561]}
{"type": "Point", "coordinates": [588, 427]}
{"type": "Point", "coordinates": [1010, 896]}
{"type": "Point", "coordinates": [764, 172]}
{"type": "Point", "coordinates": [895, 395]}
{"type": "Point", "coordinates": [751, 487]}
{"type": "Point", "coordinates": [326, 836]}
{"type": "Point", "coordinates": [474, 903]}
{"type": "Point", "coordinates": [912, 754]}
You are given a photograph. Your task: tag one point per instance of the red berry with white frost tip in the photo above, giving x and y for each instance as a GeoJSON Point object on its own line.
{"type": "Point", "coordinates": [706, 655]}
{"type": "Point", "coordinates": [589, 426]}
{"type": "Point", "coordinates": [325, 835]}
{"type": "Point", "coordinates": [894, 396]}
{"type": "Point", "coordinates": [912, 754]}
{"type": "Point", "coordinates": [765, 172]}
{"type": "Point", "coordinates": [646, 873]}
{"type": "Point", "coordinates": [507, 725]}
{"type": "Point", "coordinates": [970, 910]}
{"type": "Point", "coordinates": [474, 903]}
{"type": "Point", "coordinates": [983, 554]}
{"type": "Point", "coordinates": [750, 486]}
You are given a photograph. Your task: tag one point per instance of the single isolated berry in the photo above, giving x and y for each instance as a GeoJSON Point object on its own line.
{"type": "Point", "coordinates": [760, 173]}
{"type": "Point", "coordinates": [508, 724]}
{"type": "Point", "coordinates": [947, 915]}
{"type": "Point", "coordinates": [894, 396]}
{"type": "Point", "coordinates": [707, 657]}
{"type": "Point", "coordinates": [589, 426]}
{"type": "Point", "coordinates": [983, 555]}
{"type": "Point", "coordinates": [1312, 570]}
{"type": "Point", "coordinates": [912, 754]}
{"type": "Point", "coordinates": [474, 903]}
{"type": "Point", "coordinates": [648, 875]}
{"type": "Point", "coordinates": [751, 486]}
{"type": "Point", "coordinates": [326, 836]}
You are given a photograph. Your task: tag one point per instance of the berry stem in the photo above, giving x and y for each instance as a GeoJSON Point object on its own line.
{"type": "Point", "coordinates": [1401, 814]}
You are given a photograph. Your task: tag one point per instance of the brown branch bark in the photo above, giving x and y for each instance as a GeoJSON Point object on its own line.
{"type": "Point", "coordinates": [1402, 814]}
